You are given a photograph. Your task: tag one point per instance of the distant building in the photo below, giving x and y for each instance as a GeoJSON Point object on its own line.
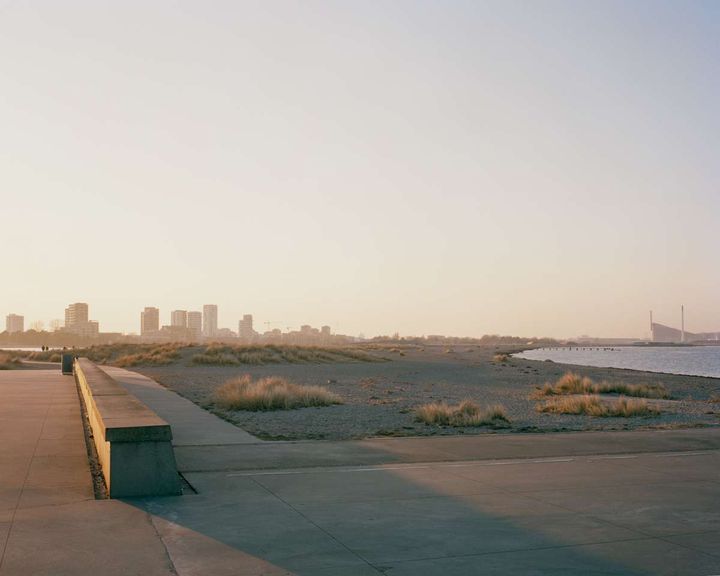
{"type": "Point", "coordinates": [149, 321]}
{"type": "Point", "coordinates": [194, 324]}
{"type": "Point", "coordinates": [14, 323]}
{"type": "Point", "coordinates": [77, 323]}
{"type": "Point", "coordinates": [76, 314]}
{"type": "Point", "coordinates": [89, 329]}
{"type": "Point", "coordinates": [224, 333]}
{"type": "Point", "coordinates": [668, 334]}
{"type": "Point", "coordinates": [210, 322]}
{"type": "Point", "coordinates": [325, 330]}
{"type": "Point", "coordinates": [179, 318]}
{"type": "Point", "coordinates": [245, 328]}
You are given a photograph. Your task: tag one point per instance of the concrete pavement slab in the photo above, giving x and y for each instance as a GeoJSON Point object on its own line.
{"type": "Point", "coordinates": [50, 522]}
{"type": "Point", "coordinates": [546, 562]}
{"type": "Point", "coordinates": [265, 528]}
{"type": "Point", "coordinates": [194, 554]}
{"type": "Point", "coordinates": [673, 508]}
{"type": "Point", "coordinates": [96, 537]}
{"type": "Point", "coordinates": [311, 454]}
{"type": "Point", "coordinates": [367, 484]}
{"type": "Point", "coordinates": [707, 542]}
{"type": "Point", "coordinates": [562, 473]}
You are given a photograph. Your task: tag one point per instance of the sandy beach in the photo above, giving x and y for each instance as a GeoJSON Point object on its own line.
{"type": "Point", "coordinates": [380, 397]}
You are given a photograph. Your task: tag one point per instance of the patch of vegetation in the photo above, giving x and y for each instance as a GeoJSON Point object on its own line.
{"type": "Point", "coordinates": [136, 354]}
{"type": "Point", "coordinates": [119, 354]}
{"type": "Point", "coordinates": [271, 393]}
{"type": "Point", "coordinates": [8, 361]}
{"type": "Point", "coordinates": [501, 358]}
{"type": "Point", "coordinates": [572, 383]}
{"type": "Point", "coordinates": [593, 405]}
{"type": "Point", "coordinates": [224, 355]}
{"type": "Point", "coordinates": [160, 356]}
{"type": "Point", "coordinates": [467, 413]}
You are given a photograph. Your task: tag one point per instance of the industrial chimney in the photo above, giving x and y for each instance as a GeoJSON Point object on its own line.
{"type": "Point", "coordinates": [652, 328]}
{"type": "Point", "coordinates": [682, 323]}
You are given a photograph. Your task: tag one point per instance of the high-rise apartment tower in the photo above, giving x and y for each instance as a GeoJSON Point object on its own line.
{"type": "Point", "coordinates": [149, 321]}
{"type": "Point", "coordinates": [210, 323]}
{"type": "Point", "coordinates": [14, 323]}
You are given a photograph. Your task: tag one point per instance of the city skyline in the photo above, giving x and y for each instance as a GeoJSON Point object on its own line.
{"type": "Point", "coordinates": [534, 168]}
{"type": "Point", "coordinates": [194, 323]}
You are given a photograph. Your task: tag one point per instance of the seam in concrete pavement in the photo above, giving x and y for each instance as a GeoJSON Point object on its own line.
{"type": "Point", "coordinates": [686, 546]}
{"type": "Point", "coordinates": [516, 550]}
{"type": "Point", "coordinates": [442, 465]}
{"type": "Point", "coordinates": [27, 475]}
{"type": "Point", "coordinates": [151, 521]}
{"type": "Point", "coordinates": [328, 534]}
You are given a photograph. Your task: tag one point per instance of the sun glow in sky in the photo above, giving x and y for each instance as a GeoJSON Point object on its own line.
{"type": "Point", "coordinates": [450, 167]}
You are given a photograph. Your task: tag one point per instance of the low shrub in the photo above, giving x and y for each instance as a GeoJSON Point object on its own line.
{"type": "Point", "coordinates": [467, 413]}
{"type": "Point", "coordinates": [271, 393]}
{"type": "Point", "coordinates": [8, 361]}
{"type": "Point", "coordinates": [572, 383]}
{"type": "Point", "coordinates": [593, 405]}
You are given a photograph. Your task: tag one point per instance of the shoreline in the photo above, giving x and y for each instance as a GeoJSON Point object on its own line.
{"type": "Point", "coordinates": [380, 398]}
{"type": "Point", "coordinates": [606, 367]}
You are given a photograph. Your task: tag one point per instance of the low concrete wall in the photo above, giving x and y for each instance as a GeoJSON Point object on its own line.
{"type": "Point", "coordinates": [133, 443]}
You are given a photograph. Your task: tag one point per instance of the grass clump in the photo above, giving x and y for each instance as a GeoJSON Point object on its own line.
{"type": "Point", "coordinates": [593, 405]}
{"type": "Point", "coordinates": [8, 362]}
{"type": "Point", "coordinates": [467, 413]}
{"type": "Point", "coordinates": [501, 358]}
{"type": "Point", "coordinates": [271, 393]}
{"type": "Point", "coordinates": [572, 383]}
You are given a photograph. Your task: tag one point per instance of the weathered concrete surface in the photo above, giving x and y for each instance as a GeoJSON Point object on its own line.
{"type": "Point", "coordinates": [377, 451]}
{"type": "Point", "coordinates": [50, 523]}
{"type": "Point", "coordinates": [564, 504]}
{"type": "Point", "coordinates": [622, 514]}
{"type": "Point", "coordinates": [133, 443]}
{"type": "Point", "coordinates": [191, 425]}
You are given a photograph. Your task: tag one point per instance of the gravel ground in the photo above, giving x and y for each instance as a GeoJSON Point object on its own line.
{"type": "Point", "coordinates": [380, 397]}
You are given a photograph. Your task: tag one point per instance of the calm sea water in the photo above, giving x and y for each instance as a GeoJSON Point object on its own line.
{"type": "Point", "coordinates": [691, 360]}
{"type": "Point", "coordinates": [21, 349]}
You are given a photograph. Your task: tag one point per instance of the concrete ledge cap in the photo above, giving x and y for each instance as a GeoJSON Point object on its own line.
{"type": "Point", "coordinates": [122, 416]}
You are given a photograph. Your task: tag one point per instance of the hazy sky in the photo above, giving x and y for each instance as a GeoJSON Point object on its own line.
{"type": "Point", "coordinates": [449, 167]}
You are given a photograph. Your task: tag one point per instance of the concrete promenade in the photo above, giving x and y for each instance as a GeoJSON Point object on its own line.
{"type": "Point", "coordinates": [635, 503]}
{"type": "Point", "coordinates": [50, 522]}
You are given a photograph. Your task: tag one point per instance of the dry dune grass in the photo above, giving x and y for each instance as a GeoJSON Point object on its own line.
{"type": "Point", "coordinates": [228, 355]}
{"type": "Point", "coordinates": [467, 413]}
{"type": "Point", "coordinates": [271, 393]}
{"type": "Point", "coordinates": [125, 354]}
{"type": "Point", "coordinates": [572, 383]}
{"type": "Point", "coordinates": [156, 356]}
{"type": "Point", "coordinates": [593, 405]}
{"type": "Point", "coordinates": [8, 362]}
